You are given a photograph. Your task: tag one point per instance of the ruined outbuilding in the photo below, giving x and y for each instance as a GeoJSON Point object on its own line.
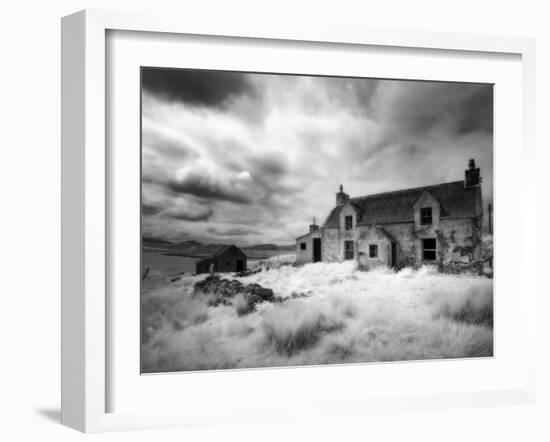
{"type": "Point", "coordinates": [226, 259]}
{"type": "Point", "coordinates": [438, 224]}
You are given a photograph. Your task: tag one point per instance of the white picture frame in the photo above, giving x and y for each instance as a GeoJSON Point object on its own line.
{"type": "Point", "coordinates": [85, 210]}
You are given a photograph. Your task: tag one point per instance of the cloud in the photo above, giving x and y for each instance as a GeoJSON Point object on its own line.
{"type": "Point", "coordinates": [208, 185]}
{"type": "Point", "coordinates": [477, 111]}
{"type": "Point", "coordinates": [192, 213]}
{"type": "Point", "coordinates": [269, 164]}
{"type": "Point", "coordinates": [165, 144]}
{"type": "Point", "coordinates": [150, 209]}
{"type": "Point", "coordinates": [353, 94]}
{"type": "Point", "coordinates": [416, 108]}
{"type": "Point", "coordinates": [244, 175]}
{"type": "Point", "coordinates": [195, 87]}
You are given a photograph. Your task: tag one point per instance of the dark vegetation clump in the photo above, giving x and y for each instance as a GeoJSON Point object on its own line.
{"type": "Point", "coordinates": [474, 306]}
{"type": "Point", "coordinates": [220, 287]}
{"type": "Point", "coordinates": [292, 329]}
{"type": "Point", "coordinates": [231, 291]}
{"type": "Point", "coordinates": [471, 312]}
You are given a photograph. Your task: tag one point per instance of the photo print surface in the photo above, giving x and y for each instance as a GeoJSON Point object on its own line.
{"type": "Point", "coordinates": [291, 220]}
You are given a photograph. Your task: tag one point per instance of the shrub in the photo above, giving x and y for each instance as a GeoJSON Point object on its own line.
{"type": "Point", "coordinates": [382, 270]}
{"type": "Point", "coordinates": [480, 343]}
{"type": "Point", "coordinates": [427, 270]}
{"type": "Point", "coordinates": [406, 272]}
{"type": "Point", "coordinates": [472, 306]}
{"type": "Point", "coordinates": [170, 309]}
{"type": "Point", "coordinates": [294, 326]}
{"type": "Point", "coordinates": [199, 318]}
{"type": "Point", "coordinates": [241, 304]}
{"type": "Point", "coordinates": [344, 305]}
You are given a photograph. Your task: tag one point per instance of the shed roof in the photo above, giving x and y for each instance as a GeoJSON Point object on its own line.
{"type": "Point", "coordinates": [221, 251]}
{"type": "Point", "coordinates": [456, 201]}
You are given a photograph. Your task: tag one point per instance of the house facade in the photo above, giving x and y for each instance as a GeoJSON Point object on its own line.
{"type": "Point", "coordinates": [438, 224]}
{"type": "Point", "coordinates": [226, 259]}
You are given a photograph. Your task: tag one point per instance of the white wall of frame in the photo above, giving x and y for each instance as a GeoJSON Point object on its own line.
{"type": "Point", "coordinates": [30, 183]}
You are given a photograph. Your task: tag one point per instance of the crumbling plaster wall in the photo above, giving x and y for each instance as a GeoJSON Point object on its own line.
{"type": "Point", "coordinates": [306, 256]}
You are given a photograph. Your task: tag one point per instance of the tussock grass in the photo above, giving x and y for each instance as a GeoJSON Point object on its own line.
{"type": "Point", "coordinates": [472, 306]}
{"type": "Point", "coordinates": [241, 304]}
{"type": "Point", "coordinates": [347, 316]}
{"type": "Point", "coordinates": [170, 309]}
{"type": "Point", "coordinates": [294, 327]}
{"type": "Point", "coordinates": [406, 273]}
{"type": "Point", "coordinates": [344, 306]}
{"type": "Point", "coordinates": [427, 270]}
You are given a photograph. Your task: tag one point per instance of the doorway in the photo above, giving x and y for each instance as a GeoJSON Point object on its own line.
{"type": "Point", "coordinates": [316, 249]}
{"type": "Point", "coordinates": [348, 250]}
{"type": "Point", "coordinates": [240, 265]}
{"type": "Point", "coordinates": [393, 257]}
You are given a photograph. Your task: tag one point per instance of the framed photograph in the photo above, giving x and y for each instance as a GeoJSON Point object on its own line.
{"type": "Point", "coordinates": [277, 223]}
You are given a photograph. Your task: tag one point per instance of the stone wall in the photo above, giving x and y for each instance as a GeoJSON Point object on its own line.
{"type": "Point", "coordinates": [458, 243]}
{"type": "Point", "coordinates": [333, 238]}
{"type": "Point", "coordinates": [407, 243]}
{"type": "Point", "coordinates": [330, 244]}
{"type": "Point", "coordinates": [364, 238]}
{"type": "Point", "coordinates": [306, 256]}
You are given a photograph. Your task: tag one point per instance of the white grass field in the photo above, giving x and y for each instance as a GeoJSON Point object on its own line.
{"type": "Point", "coordinates": [330, 313]}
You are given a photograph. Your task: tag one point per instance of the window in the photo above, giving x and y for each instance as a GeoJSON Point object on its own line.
{"type": "Point", "coordinates": [302, 246]}
{"type": "Point", "coordinates": [426, 216]}
{"type": "Point", "coordinates": [373, 250]}
{"type": "Point", "coordinates": [348, 249]}
{"type": "Point", "coordinates": [349, 222]}
{"type": "Point", "coordinates": [429, 249]}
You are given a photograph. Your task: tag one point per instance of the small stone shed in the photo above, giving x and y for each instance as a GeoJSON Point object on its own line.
{"type": "Point", "coordinates": [226, 259]}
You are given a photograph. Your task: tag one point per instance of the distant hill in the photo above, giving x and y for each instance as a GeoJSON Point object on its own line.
{"type": "Point", "coordinates": [194, 249]}
{"type": "Point", "coordinates": [188, 243]}
{"type": "Point", "coordinates": [271, 247]}
{"type": "Point", "coordinates": [197, 249]}
{"type": "Point", "coordinates": [151, 243]}
{"type": "Point", "coordinates": [155, 240]}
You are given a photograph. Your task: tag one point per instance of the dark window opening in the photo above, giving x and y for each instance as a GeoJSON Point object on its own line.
{"type": "Point", "coordinates": [429, 249]}
{"type": "Point", "coordinates": [302, 246]}
{"type": "Point", "coordinates": [373, 251]}
{"type": "Point", "coordinates": [349, 222]}
{"type": "Point", "coordinates": [348, 249]}
{"type": "Point", "coordinates": [426, 216]}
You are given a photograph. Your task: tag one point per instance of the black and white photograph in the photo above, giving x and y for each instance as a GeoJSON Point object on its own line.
{"type": "Point", "coordinates": [298, 220]}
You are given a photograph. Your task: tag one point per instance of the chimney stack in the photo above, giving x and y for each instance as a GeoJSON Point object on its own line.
{"type": "Point", "coordinates": [472, 177]}
{"type": "Point", "coordinates": [341, 197]}
{"type": "Point", "coordinates": [313, 227]}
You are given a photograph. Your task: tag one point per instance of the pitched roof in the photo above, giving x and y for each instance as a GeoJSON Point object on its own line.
{"type": "Point", "coordinates": [312, 233]}
{"type": "Point", "coordinates": [384, 232]}
{"type": "Point", "coordinates": [455, 200]}
{"type": "Point", "coordinates": [221, 251]}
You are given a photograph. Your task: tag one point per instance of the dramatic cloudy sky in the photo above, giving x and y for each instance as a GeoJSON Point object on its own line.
{"type": "Point", "coordinates": [252, 158]}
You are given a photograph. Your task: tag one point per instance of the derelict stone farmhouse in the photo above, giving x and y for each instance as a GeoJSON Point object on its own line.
{"type": "Point", "coordinates": [439, 224]}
